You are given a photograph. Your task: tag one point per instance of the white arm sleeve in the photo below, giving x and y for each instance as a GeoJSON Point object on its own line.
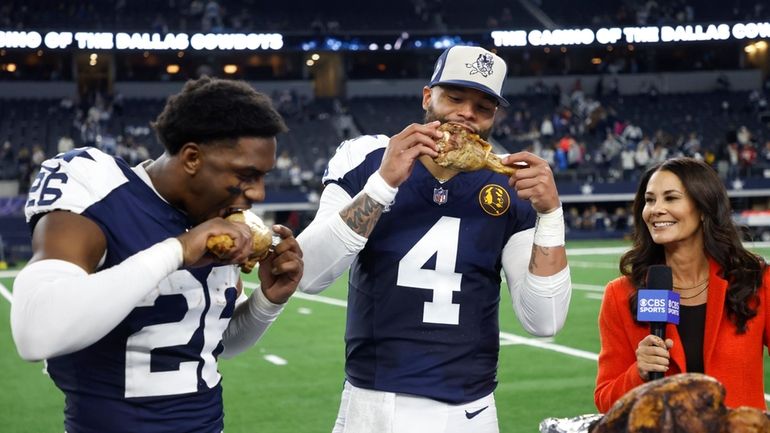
{"type": "Point", "coordinates": [540, 303]}
{"type": "Point", "coordinates": [328, 242]}
{"type": "Point", "coordinates": [250, 320]}
{"type": "Point", "coordinates": [59, 308]}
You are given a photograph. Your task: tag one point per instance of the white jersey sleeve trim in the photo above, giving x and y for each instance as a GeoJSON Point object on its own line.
{"type": "Point", "coordinates": [351, 153]}
{"type": "Point", "coordinates": [540, 302]}
{"type": "Point", "coordinates": [59, 308]}
{"type": "Point", "coordinates": [73, 184]}
{"type": "Point", "coordinates": [330, 241]}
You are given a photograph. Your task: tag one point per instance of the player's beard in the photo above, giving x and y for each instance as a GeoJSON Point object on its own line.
{"type": "Point", "coordinates": [430, 116]}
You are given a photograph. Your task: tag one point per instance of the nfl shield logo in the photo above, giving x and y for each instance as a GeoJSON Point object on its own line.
{"type": "Point", "coordinates": [440, 195]}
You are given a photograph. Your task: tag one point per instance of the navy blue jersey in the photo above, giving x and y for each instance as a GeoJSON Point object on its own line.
{"type": "Point", "coordinates": [156, 371]}
{"type": "Point", "coordinates": [424, 292]}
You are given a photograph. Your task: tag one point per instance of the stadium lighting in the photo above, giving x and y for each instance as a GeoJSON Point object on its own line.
{"type": "Point", "coordinates": [310, 62]}
{"type": "Point", "coordinates": [10, 67]}
{"type": "Point", "coordinates": [172, 69]}
{"type": "Point", "coordinates": [315, 57]}
{"type": "Point", "coordinates": [230, 69]}
{"type": "Point", "coordinates": [761, 45]}
{"type": "Point", "coordinates": [750, 49]}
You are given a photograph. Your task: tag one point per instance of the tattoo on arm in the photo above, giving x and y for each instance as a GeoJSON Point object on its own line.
{"type": "Point", "coordinates": [362, 214]}
{"type": "Point", "coordinates": [537, 250]}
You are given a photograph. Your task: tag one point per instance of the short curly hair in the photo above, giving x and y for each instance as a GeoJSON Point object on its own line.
{"type": "Point", "coordinates": [211, 110]}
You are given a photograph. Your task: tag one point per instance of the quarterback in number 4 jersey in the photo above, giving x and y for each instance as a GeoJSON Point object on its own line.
{"type": "Point", "coordinates": [425, 246]}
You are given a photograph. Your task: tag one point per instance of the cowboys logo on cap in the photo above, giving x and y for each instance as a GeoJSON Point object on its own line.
{"type": "Point", "coordinates": [472, 67]}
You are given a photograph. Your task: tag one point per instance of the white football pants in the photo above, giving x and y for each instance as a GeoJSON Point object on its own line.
{"type": "Point", "coordinates": [368, 411]}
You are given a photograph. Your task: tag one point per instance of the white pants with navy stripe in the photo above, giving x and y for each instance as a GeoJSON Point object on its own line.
{"type": "Point", "coordinates": [369, 411]}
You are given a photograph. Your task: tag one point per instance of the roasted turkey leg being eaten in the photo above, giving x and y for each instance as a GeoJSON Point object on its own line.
{"type": "Point", "coordinates": [463, 150]}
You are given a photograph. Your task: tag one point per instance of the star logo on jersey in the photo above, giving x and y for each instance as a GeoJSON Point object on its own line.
{"type": "Point", "coordinates": [494, 200]}
{"type": "Point", "coordinates": [482, 65]}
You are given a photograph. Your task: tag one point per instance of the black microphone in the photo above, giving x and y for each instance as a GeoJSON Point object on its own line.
{"type": "Point", "coordinates": [657, 308]}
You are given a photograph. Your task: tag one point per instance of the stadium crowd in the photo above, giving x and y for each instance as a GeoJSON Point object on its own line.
{"type": "Point", "coordinates": [253, 15]}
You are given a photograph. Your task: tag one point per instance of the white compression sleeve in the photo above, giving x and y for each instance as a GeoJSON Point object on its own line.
{"type": "Point", "coordinates": [250, 320]}
{"type": "Point", "coordinates": [329, 241]}
{"type": "Point", "coordinates": [58, 308]}
{"type": "Point", "coordinates": [540, 302]}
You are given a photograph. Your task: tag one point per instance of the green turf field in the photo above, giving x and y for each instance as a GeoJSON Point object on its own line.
{"type": "Point", "coordinates": [538, 378]}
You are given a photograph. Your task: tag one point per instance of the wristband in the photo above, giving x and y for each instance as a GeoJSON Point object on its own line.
{"type": "Point", "coordinates": [549, 229]}
{"type": "Point", "coordinates": [380, 191]}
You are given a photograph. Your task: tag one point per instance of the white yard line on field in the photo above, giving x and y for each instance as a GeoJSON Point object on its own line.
{"type": "Point", "coordinates": [6, 293]}
{"type": "Point", "coordinates": [275, 359]}
{"type": "Point", "coordinates": [588, 287]}
{"type": "Point", "coordinates": [539, 343]}
{"type": "Point", "coordinates": [592, 265]}
{"type": "Point", "coordinates": [9, 274]}
{"type": "Point", "coordinates": [596, 251]}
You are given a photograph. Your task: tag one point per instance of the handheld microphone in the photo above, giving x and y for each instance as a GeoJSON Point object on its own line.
{"type": "Point", "coordinates": [658, 304]}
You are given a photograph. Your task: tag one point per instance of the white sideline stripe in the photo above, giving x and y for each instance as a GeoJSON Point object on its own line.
{"type": "Point", "coordinates": [9, 274]}
{"type": "Point", "coordinates": [305, 296]}
{"type": "Point", "coordinates": [595, 296]}
{"type": "Point", "coordinates": [548, 346]}
{"type": "Point", "coordinates": [603, 265]}
{"type": "Point", "coordinates": [6, 293]}
{"type": "Point", "coordinates": [275, 359]}
{"type": "Point", "coordinates": [595, 251]}
{"type": "Point", "coordinates": [767, 397]}
{"type": "Point", "coordinates": [588, 287]}
{"type": "Point", "coordinates": [618, 250]}
{"type": "Point", "coordinates": [321, 299]}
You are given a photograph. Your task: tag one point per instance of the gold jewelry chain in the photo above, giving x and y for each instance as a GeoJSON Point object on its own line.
{"type": "Point", "coordinates": [693, 287]}
{"type": "Point", "coordinates": [695, 295]}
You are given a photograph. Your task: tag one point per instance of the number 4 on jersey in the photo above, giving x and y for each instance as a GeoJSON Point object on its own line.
{"type": "Point", "coordinates": [441, 240]}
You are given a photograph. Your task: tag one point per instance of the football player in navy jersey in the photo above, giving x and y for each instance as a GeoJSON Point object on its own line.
{"type": "Point", "coordinates": [121, 297]}
{"type": "Point", "coordinates": [425, 246]}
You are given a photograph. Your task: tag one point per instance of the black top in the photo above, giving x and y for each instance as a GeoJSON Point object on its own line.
{"type": "Point", "coordinates": [692, 324]}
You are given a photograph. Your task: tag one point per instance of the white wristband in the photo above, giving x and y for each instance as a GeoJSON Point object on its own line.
{"type": "Point", "coordinates": [379, 190]}
{"type": "Point", "coordinates": [549, 229]}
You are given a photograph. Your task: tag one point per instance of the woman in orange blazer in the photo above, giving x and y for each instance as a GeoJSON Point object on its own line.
{"type": "Point", "coordinates": [683, 219]}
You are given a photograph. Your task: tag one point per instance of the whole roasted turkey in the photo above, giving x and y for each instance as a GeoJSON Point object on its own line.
{"type": "Point", "coordinates": [463, 150]}
{"type": "Point", "coordinates": [683, 403]}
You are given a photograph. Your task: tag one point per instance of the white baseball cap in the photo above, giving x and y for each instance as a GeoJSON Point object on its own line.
{"type": "Point", "coordinates": [472, 67]}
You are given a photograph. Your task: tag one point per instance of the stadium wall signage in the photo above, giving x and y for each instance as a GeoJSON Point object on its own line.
{"type": "Point", "coordinates": [631, 35]}
{"type": "Point", "coordinates": [141, 41]}
{"type": "Point", "coordinates": [68, 40]}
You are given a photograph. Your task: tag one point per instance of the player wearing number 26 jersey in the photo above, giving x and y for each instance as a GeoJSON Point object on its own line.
{"type": "Point", "coordinates": [168, 344]}
{"type": "Point", "coordinates": [425, 246]}
{"type": "Point", "coordinates": [121, 296]}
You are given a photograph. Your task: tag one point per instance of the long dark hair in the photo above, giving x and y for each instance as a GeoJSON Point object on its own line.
{"type": "Point", "coordinates": [721, 238]}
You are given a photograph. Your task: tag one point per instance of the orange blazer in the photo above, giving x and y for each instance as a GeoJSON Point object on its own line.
{"type": "Point", "coordinates": [733, 359]}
